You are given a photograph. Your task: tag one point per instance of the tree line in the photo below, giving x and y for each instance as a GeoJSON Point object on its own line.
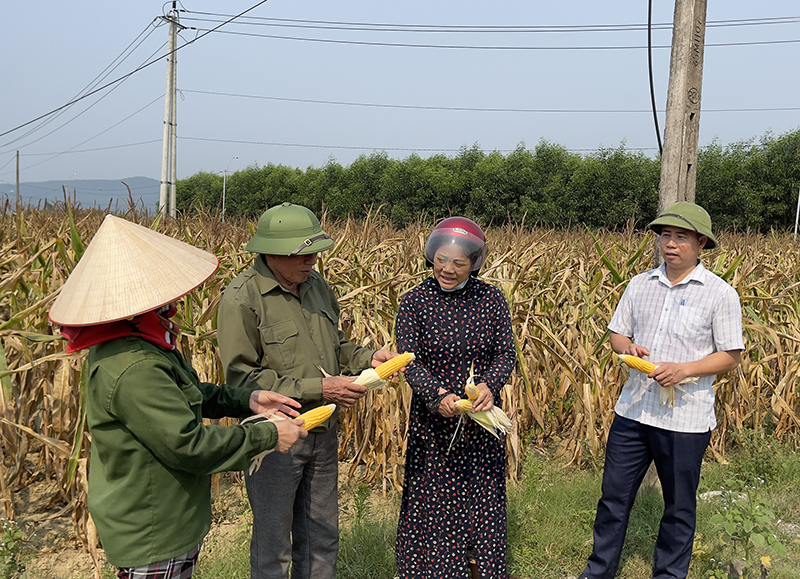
{"type": "Point", "coordinates": [749, 184]}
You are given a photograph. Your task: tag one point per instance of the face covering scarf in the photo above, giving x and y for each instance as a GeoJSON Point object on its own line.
{"type": "Point", "coordinates": [153, 326]}
{"type": "Point", "coordinates": [455, 289]}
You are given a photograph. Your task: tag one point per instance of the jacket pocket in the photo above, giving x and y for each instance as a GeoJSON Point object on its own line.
{"type": "Point", "coordinates": [280, 345]}
{"type": "Point", "coordinates": [193, 397]}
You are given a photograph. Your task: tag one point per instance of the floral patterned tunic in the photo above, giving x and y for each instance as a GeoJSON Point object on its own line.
{"type": "Point", "coordinates": [454, 500]}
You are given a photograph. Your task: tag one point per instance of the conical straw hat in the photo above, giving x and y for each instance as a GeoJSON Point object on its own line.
{"type": "Point", "coordinates": [128, 270]}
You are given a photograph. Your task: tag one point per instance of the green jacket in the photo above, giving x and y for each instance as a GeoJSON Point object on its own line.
{"type": "Point", "coordinates": [271, 339]}
{"type": "Point", "coordinates": [152, 456]}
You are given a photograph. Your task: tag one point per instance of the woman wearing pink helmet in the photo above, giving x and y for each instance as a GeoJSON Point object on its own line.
{"type": "Point", "coordinates": [453, 512]}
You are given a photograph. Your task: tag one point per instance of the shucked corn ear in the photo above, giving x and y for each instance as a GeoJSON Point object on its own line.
{"type": "Point", "coordinates": [493, 420]}
{"type": "Point", "coordinates": [472, 391]}
{"type": "Point", "coordinates": [374, 378]}
{"type": "Point", "coordinates": [317, 416]}
{"type": "Point", "coordinates": [637, 363]}
{"type": "Point", "coordinates": [667, 394]}
{"type": "Point", "coordinates": [463, 406]}
{"type": "Point", "coordinates": [312, 419]}
{"type": "Point", "coordinates": [394, 365]}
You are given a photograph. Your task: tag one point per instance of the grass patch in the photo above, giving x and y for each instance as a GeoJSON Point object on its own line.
{"type": "Point", "coordinates": [550, 517]}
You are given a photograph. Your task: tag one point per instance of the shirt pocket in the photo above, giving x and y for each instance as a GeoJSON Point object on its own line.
{"type": "Point", "coordinates": [280, 343]}
{"type": "Point", "coordinates": [691, 323]}
{"type": "Point", "coordinates": [330, 329]}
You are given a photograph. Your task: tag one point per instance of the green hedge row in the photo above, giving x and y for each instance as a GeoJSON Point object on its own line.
{"type": "Point", "coordinates": [751, 184]}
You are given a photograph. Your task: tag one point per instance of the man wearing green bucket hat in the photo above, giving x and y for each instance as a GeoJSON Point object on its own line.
{"type": "Point", "coordinates": [688, 321]}
{"type": "Point", "coordinates": [278, 325]}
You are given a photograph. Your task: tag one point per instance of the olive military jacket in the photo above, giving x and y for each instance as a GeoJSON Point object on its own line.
{"type": "Point", "coordinates": [152, 457]}
{"type": "Point", "coordinates": [271, 339]}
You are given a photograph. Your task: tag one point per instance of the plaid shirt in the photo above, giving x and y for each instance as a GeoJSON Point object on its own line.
{"type": "Point", "coordinates": [686, 322]}
{"type": "Point", "coordinates": [180, 567]}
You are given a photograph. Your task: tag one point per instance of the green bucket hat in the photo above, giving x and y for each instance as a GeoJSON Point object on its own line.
{"type": "Point", "coordinates": [289, 229]}
{"type": "Point", "coordinates": [686, 216]}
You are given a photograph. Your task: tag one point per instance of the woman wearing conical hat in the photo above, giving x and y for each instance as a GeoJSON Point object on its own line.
{"type": "Point", "coordinates": [152, 457]}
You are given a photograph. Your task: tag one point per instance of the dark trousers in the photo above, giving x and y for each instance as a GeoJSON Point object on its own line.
{"type": "Point", "coordinates": [630, 449]}
{"type": "Point", "coordinates": [294, 498]}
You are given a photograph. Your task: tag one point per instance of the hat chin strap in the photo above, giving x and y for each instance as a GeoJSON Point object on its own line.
{"type": "Point", "coordinates": [309, 242]}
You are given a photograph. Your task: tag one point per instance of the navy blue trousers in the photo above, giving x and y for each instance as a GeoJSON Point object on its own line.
{"type": "Point", "coordinates": [630, 449]}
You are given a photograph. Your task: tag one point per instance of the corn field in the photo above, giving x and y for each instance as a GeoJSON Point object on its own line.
{"type": "Point", "coordinates": [562, 288]}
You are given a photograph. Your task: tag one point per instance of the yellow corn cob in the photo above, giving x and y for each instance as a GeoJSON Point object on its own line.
{"type": "Point", "coordinates": [493, 420]}
{"type": "Point", "coordinates": [667, 394]}
{"type": "Point", "coordinates": [312, 419]}
{"type": "Point", "coordinates": [472, 391]}
{"type": "Point", "coordinates": [374, 378]}
{"type": "Point", "coordinates": [394, 365]}
{"type": "Point", "coordinates": [637, 363]}
{"type": "Point", "coordinates": [317, 416]}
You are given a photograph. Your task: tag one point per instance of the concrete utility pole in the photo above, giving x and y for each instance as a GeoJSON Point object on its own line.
{"type": "Point", "coordinates": [167, 149]}
{"type": "Point", "coordinates": [679, 158]}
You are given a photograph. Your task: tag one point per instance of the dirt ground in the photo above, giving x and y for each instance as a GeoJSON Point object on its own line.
{"type": "Point", "coordinates": [57, 553]}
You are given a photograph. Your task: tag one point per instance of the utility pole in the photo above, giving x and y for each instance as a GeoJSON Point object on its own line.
{"type": "Point", "coordinates": [682, 130]}
{"type": "Point", "coordinates": [16, 202]}
{"type": "Point", "coordinates": [168, 144]}
{"type": "Point", "coordinates": [173, 182]}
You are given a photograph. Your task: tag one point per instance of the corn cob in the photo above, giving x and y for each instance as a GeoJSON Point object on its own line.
{"type": "Point", "coordinates": [311, 419]}
{"type": "Point", "coordinates": [494, 420]}
{"type": "Point", "coordinates": [667, 393]}
{"type": "Point", "coordinates": [374, 378]}
{"type": "Point", "coordinates": [394, 365]}
{"type": "Point", "coordinates": [637, 363]}
{"type": "Point", "coordinates": [317, 416]}
{"type": "Point", "coordinates": [472, 391]}
{"type": "Point", "coordinates": [463, 406]}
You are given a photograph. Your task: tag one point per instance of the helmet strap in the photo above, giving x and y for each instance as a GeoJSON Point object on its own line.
{"type": "Point", "coordinates": [309, 242]}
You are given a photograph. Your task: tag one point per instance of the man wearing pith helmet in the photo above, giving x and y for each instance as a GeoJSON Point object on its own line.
{"type": "Point", "coordinates": [278, 325]}
{"type": "Point", "coordinates": [688, 322]}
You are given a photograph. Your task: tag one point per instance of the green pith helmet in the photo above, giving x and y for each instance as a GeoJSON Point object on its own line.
{"type": "Point", "coordinates": [686, 216]}
{"type": "Point", "coordinates": [289, 229]}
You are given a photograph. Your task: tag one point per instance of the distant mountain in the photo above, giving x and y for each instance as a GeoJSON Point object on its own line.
{"type": "Point", "coordinates": [87, 192]}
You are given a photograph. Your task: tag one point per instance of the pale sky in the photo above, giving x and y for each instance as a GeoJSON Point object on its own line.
{"type": "Point", "coordinates": [53, 50]}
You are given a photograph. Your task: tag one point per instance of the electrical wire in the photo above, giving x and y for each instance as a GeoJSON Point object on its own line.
{"type": "Point", "coordinates": [140, 68]}
{"type": "Point", "coordinates": [475, 47]}
{"type": "Point", "coordinates": [92, 150]}
{"type": "Point", "coordinates": [353, 147]}
{"type": "Point", "coordinates": [650, 74]}
{"type": "Point", "coordinates": [437, 28]}
{"type": "Point", "coordinates": [82, 112]}
{"type": "Point", "coordinates": [472, 109]}
{"type": "Point", "coordinates": [71, 149]}
{"type": "Point", "coordinates": [103, 74]}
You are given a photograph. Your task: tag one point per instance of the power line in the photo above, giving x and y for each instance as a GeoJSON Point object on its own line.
{"type": "Point", "coordinates": [478, 47]}
{"type": "Point", "coordinates": [71, 149]}
{"type": "Point", "coordinates": [439, 28]}
{"type": "Point", "coordinates": [142, 67]}
{"type": "Point", "coordinates": [110, 147]}
{"type": "Point", "coordinates": [73, 118]}
{"type": "Point", "coordinates": [353, 147]}
{"type": "Point", "coordinates": [473, 109]}
{"type": "Point", "coordinates": [103, 74]}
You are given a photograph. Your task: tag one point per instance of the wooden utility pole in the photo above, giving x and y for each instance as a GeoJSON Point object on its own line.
{"type": "Point", "coordinates": [682, 130]}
